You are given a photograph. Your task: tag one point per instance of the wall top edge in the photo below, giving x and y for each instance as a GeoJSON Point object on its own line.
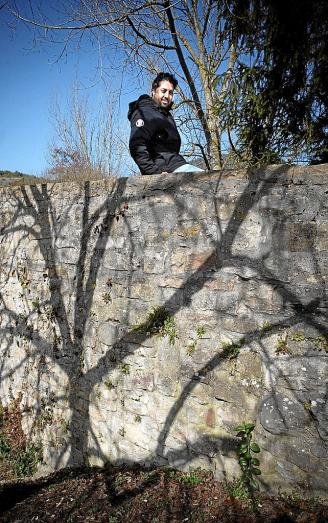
{"type": "Point", "coordinates": [282, 173]}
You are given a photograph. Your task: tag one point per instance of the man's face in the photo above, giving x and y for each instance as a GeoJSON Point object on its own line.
{"type": "Point", "coordinates": [163, 94]}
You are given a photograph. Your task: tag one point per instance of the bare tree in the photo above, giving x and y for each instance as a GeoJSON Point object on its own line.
{"type": "Point", "coordinates": [191, 38]}
{"type": "Point", "coordinates": [86, 142]}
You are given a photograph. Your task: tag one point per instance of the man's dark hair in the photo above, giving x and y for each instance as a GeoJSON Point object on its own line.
{"type": "Point", "coordinates": [164, 76]}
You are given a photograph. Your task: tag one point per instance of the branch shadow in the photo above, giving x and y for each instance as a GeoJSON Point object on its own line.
{"type": "Point", "coordinates": [96, 230]}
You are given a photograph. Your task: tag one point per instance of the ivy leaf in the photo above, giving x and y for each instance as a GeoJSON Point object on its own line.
{"type": "Point", "coordinates": [255, 462]}
{"type": "Point", "coordinates": [254, 447]}
{"type": "Point", "coordinates": [254, 484]}
{"type": "Point", "coordinates": [256, 471]}
{"type": "Point", "coordinates": [243, 462]}
{"type": "Point", "coordinates": [239, 428]}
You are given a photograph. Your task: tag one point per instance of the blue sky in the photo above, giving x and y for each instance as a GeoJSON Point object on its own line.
{"type": "Point", "coordinates": [31, 78]}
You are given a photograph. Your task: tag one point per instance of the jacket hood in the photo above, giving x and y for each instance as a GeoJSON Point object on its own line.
{"type": "Point", "coordinates": [143, 101]}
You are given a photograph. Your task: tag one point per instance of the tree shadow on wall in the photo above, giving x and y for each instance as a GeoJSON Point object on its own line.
{"type": "Point", "coordinates": [69, 319]}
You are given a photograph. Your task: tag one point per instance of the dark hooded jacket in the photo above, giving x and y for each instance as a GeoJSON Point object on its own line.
{"type": "Point", "coordinates": [154, 141]}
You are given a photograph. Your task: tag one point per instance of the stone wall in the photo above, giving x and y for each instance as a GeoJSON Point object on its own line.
{"type": "Point", "coordinates": [143, 318]}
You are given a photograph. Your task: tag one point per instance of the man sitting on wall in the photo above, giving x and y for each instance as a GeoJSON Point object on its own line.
{"type": "Point", "coordinates": [155, 141]}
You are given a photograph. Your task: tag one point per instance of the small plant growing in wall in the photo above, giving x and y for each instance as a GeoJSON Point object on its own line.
{"type": "Point", "coordinates": [297, 336]}
{"type": "Point", "coordinates": [200, 331]}
{"type": "Point", "coordinates": [249, 463]}
{"type": "Point", "coordinates": [191, 347]}
{"type": "Point", "coordinates": [36, 305]}
{"type": "Point", "coordinates": [231, 350]}
{"type": "Point", "coordinates": [282, 346]}
{"type": "Point", "coordinates": [266, 326]}
{"type": "Point", "coordinates": [125, 369]}
{"type": "Point", "coordinates": [109, 384]}
{"type": "Point", "coordinates": [321, 342]}
{"type": "Point", "coordinates": [106, 297]}
{"type": "Point", "coordinates": [159, 321]}
{"type": "Point", "coordinates": [191, 478]}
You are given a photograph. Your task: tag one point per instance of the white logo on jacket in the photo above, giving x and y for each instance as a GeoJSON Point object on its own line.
{"type": "Point", "coordinates": [140, 123]}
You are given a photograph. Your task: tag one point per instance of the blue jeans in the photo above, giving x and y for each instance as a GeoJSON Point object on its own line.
{"type": "Point", "coordinates": [188, 168]}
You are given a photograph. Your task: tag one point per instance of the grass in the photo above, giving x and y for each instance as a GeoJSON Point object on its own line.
{"type": "Point", "coordinates": [191, 478]}
{"type": "Point", "coordinates": [237, 489]}
{"type": "Point", "coordinates": [297, 336]}
{"type": "Point", "coordinates": [159, 321]}
{"type": "Point", "coordinates": [282, 346]}
{"type": "Point", "coordinates": [231, 350]}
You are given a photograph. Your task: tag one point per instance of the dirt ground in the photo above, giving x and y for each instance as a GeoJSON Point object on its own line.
{"type": "Point", "coordinates": [115, 495]}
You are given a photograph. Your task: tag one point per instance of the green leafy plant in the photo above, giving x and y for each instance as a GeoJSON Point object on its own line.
{"type": "Point", "coordinates": [200, 331]}
{"type": "Point", "coordinates": [109, 384]}
{"type": "Point", "coordinates": [231, 350]}
{"type": "Point", "coordinates": [36, 305]}
{"type": "Point", "coordinates": [321, 342]}
{"type": "Point", "coordinates": [4, 447]}
{"type": "Point", "coordinates": [307, 405]}
{"type": "Point", "coordinates": [282, 346]}
{"type": "Point", "coordinates": [125, 369]}
{"type": "Point", "coordinates": [191, 347]}
{"type": "Point", "coordinates": [25, 463]}
{"type": "Point", "coordinates": [237, 489]}
{"type": "Point", "coordinates": [191, 478]}
{"type": "Point", "coordinates": [106, 297]}
{"type": "Point", "coordinates": [248, 463]}
{"type": "Point", "coordinates": [159, 321]}
{"type": "Point", "coordinates": [297, 336]}
{"type": "Point", "coordinates": [170, 473]}
{"type": "Point", "coordinates": [266, 326]}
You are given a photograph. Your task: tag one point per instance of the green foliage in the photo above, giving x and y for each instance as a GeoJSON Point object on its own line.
{"type": "Point", "coordinates": [266, 326]}
{"type": "Point", "coordinates": [282, 346]}
{"type": "Point", "coordinates": [321, 342]}
{"type": "Point", "coordinates": [170, 473]}
{"type": "Point", "coordinates": [191, 478]}
{"type": "Point", "coordinates": [4, 447]}
{"type": "Point", "coordinates": [200, 331]}
{"type": "Point", "coordinates": [109, 384]}
{"type": "Point", "coordinates": [191, 347]}
{"type": "Point", "coordinates": [2, 413]}
{"type": "Point", "coordinates": [231, 350]}
{"type": "Point", "coordinates": [159, 321]}
{"type": "Point", "coordinates": [125, 369]}
{"type": "Point", "coordinates": [46, 418]}
{"type": "Point", "coordinates": [237, 489]}
{"type": "Point", "coordinates": [26, 461]}
{"type": "Point", "coordinates": [106, 297]}
{"type": "Point", "coordinates": [307, 405]}
{"type": "Point", "coordinates": [36, 305]}
{"type": "Point", "coordinates": [282, 98]}
{"type": "Point", "coordinates": [297, 336]}
{"type": "Point", "coordinates": [248, 463]}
